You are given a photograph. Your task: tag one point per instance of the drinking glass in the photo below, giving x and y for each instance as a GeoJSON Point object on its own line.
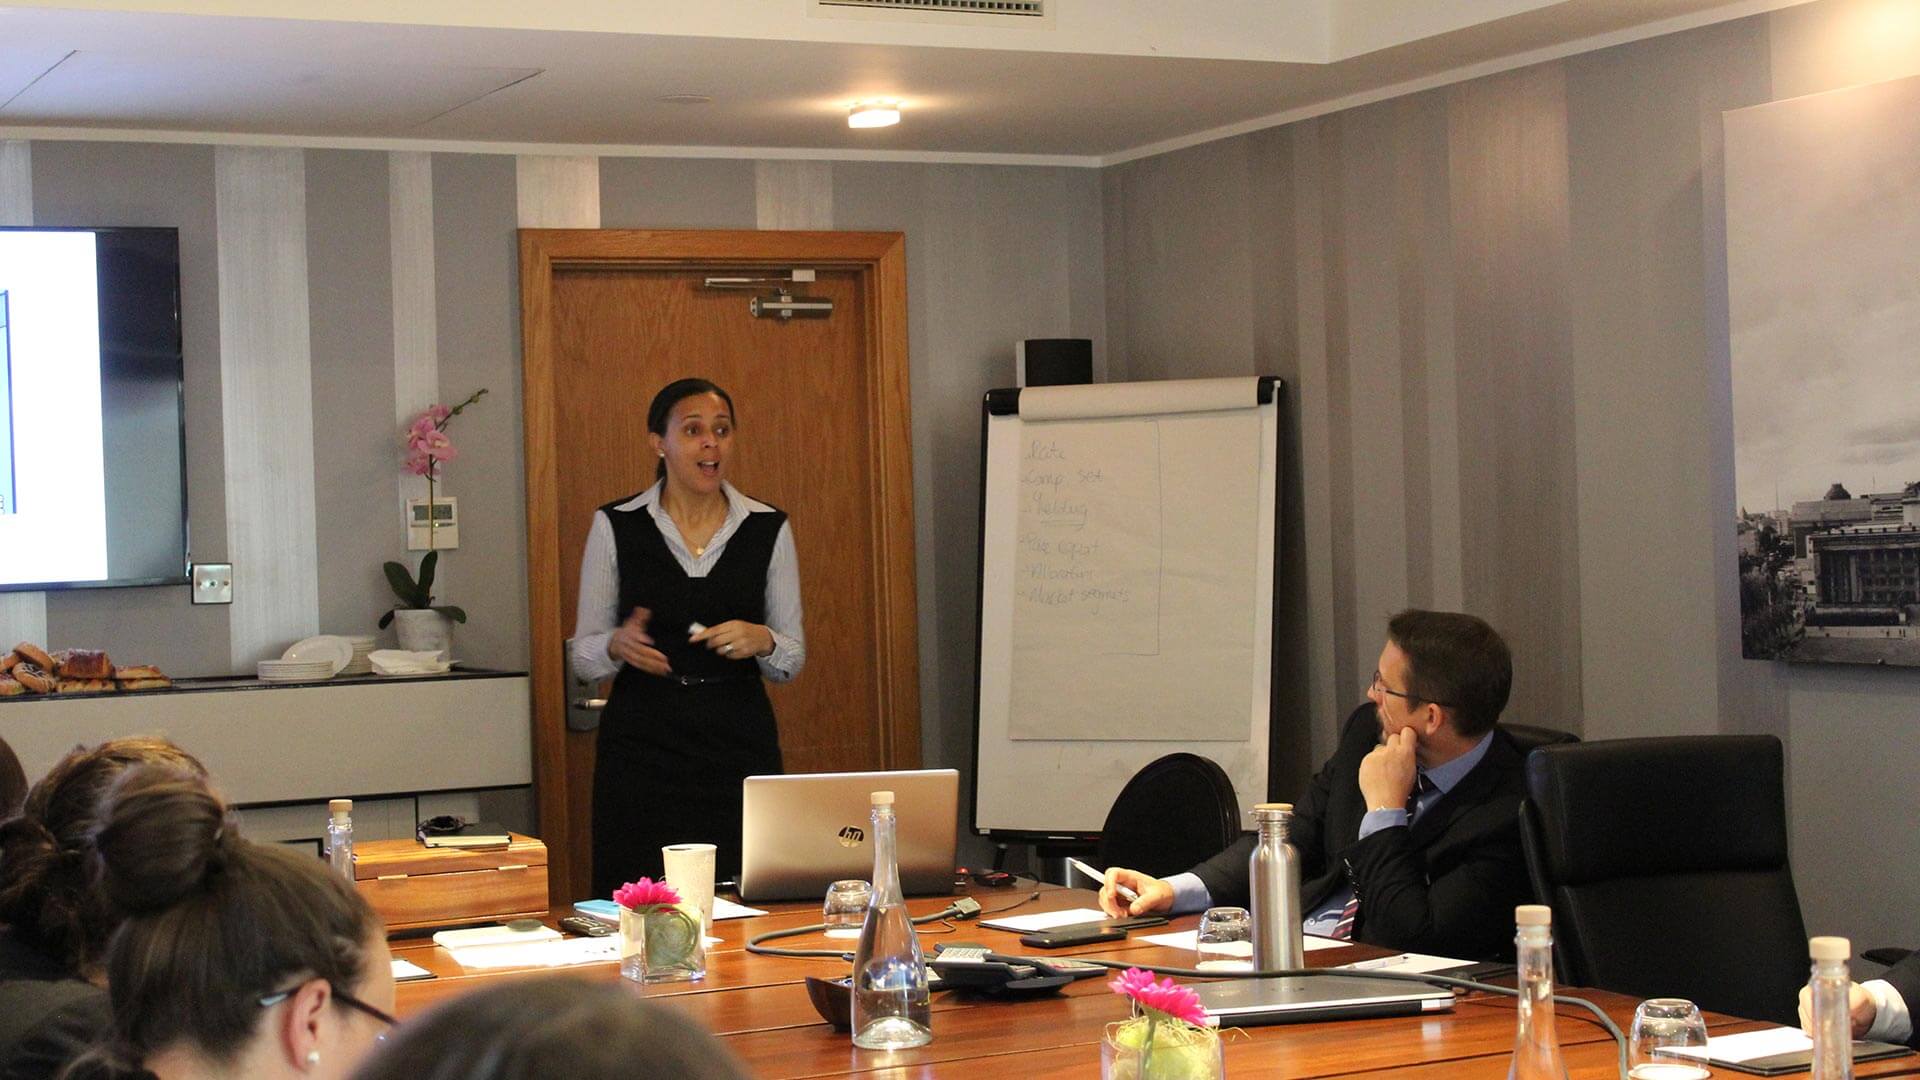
{"type": "Point", "coordinates": [1224, 941]}
{"type": "Point", "coordinates": [1660, 1024]}
{"type": "Point", "coordinates": [846, 908]}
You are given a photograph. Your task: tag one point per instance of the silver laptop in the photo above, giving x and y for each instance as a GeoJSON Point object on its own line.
{"type": "Point", "coordinates": [1247, 1002]}
{"type": "Point", "coordinates": [801, 832]}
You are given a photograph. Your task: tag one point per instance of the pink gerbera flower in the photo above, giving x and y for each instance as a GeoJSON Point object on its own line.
{"type": "Point", "coordinates": [1163, 996]}
{"type": "Point", "coordinates": [646, 895]}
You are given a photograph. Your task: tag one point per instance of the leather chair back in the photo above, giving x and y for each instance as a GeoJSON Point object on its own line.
{"type": "Point", "coordinates": [1665, 861]}
{"type": "Point", "coordinates": [1175, 812]}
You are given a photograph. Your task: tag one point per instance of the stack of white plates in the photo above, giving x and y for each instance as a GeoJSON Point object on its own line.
{"type": "Point", "coordinates": [295, 670]}
{"type": "Point", "coordinates": [330, 649]}
{"type": "Point", "coordinates": [362, 645]}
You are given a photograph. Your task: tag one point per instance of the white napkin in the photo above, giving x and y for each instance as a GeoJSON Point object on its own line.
{"type": "Point", "coordinates": [401, 662]}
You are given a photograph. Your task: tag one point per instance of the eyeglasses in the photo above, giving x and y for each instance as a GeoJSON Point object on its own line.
{"type": "Point", "coordinates": [343, 998]}
{"type": "Point", "coordinates": [1408, 698]}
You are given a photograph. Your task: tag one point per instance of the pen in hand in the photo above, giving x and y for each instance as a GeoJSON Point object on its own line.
{"type": "Point", "coordinates": [1125, 893]}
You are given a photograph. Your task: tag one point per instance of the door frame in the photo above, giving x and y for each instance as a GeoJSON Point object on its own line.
{"type": "Point", "coordinates": [880, 260]}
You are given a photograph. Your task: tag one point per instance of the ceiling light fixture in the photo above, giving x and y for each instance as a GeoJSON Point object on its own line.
{"type": "Point", "coordinates": [873, 114]}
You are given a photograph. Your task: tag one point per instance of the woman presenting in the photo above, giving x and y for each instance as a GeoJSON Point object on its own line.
{"type": "Point", "coordinates": [689, 597]}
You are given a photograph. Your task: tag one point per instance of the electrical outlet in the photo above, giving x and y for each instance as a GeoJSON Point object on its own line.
{"type": "Point", "coordinates": [213, 583]}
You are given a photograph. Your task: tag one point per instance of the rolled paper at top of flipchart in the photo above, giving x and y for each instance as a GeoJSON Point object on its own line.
{"type": "Point", "coordinates": [1137, 399]}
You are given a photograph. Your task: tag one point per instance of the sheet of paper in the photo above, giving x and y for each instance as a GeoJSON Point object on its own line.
{"type": "Point", "coordinates": [1190, 940]}
{"type": "Point", "coordinates": [1408, 963]}
{"type": "Point", "coordinates": [492, 935]}
{"type": "Point", "coordinates": [582, 950]}
{"type": "Point", "coordinates": [1046, 920]}
{"type": "Point", "coordinates": [403, 970]}
{"type": "Point", "coordinates": [724, 908]}
{"type": "Point", "coordinates": [1747, 1045]}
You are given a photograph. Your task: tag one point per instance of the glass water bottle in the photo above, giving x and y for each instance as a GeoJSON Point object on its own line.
{"type": "Point", "coordinates": [1832, 1019]}
{"type": "Point", "coordinates": [891, 1010]}
{"type": "Point", "coordinates": [1536, 1048]}
{"type": "Point", "coordinates": [340, 837]}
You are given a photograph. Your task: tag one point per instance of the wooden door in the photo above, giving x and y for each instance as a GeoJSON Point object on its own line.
{"type": "Point", "coordinates": [821, 412]}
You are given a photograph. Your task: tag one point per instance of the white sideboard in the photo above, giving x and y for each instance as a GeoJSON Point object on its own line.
{"type": "Point", "coordinates": [301, 742]}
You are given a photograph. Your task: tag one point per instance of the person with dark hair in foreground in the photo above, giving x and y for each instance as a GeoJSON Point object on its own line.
{"type": "Point", "coordinates": [52, 1006]}
{"type": "Point", "coordinates": [13, 782]}
{"type": "Point", "coordinates": [236, 959]}
{"type": "Point", "coordinates": [1409, 836]}
{"type": "Point", "coordinates": [551, 1027]}
{"type": "Point", "coordinates": [690, 603]}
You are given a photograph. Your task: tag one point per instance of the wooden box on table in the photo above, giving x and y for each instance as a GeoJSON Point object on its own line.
{"type": "Point", "coordinates": [415, 887]}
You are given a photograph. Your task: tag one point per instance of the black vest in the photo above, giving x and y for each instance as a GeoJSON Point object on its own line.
{"type": "Point", "coordinates": [734, 588]}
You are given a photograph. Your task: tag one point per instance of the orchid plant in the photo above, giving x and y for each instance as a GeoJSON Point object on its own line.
{"type": "Point", "coordinates": [1170, 1037]}
{"type": "Point", "coordinates": [428, 447]}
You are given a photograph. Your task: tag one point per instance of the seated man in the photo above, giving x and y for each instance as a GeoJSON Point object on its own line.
{"type": "Point", "coordinates": [1409, 836]}
{"type": "Point", "coordinates": [1880, 1007]}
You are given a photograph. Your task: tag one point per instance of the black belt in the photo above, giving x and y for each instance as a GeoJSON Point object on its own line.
{"type": "Point", "coordinates": [690, 681]}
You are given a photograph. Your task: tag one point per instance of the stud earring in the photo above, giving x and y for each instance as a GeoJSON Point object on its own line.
{"type": "Point", "coordinates": [313, 1058]}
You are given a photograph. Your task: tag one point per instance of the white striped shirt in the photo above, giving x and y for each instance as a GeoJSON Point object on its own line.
{"type": "Point", "coordinates": [598, 613]}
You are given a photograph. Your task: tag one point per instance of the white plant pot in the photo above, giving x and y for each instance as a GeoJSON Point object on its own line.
{"type": "Point", "coordinates": [424, 630]}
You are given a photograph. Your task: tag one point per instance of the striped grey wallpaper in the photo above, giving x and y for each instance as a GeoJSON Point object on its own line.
{"type": "Point", "coordinates": [23, 615]}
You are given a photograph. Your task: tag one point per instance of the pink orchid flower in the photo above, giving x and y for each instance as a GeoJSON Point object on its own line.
{"type": "Point", "coordinates": [419, 462]}
{"type": "Point", "coordinates": [646, 895]}
{"type": "Point", "coordinates": [421, 428]}
{"type": "Point", "coordinates": [437, 414]}
{"type": "Point", "coordinates": [1163, 996]}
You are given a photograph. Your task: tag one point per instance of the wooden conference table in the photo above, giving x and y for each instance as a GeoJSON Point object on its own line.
{"type": "Point", "coordinates": [758, 1005]}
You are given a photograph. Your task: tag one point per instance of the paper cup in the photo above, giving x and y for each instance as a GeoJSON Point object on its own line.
{"type": "Point", "coordinates": [690, 872]}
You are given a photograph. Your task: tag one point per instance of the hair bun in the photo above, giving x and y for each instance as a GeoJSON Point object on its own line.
{"type": "Point", "coordinates": [162, 832]}
{"type": "Point", "coordinates": [27, 852]}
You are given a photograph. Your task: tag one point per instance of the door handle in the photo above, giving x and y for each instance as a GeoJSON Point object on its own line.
{"type": "Point", "coordinates": [583, 713]}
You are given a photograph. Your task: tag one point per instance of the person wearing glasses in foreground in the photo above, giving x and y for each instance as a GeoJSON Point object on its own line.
{"type": "Point", "coordinates": [236, 959]}
{"type": "Point", "coordinates": [1409, 836]}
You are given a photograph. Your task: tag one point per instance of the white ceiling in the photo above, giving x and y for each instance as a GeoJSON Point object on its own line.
{"type": "Point", "coordinates": [82, 67]}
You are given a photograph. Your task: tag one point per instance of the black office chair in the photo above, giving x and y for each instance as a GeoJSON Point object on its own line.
{"type": "Point", "coordinates": [1175, 812]}
{"type": "Point", "coordinates": [1531, 738]}
{"type": "Point", "coordinates": [1665, 861]}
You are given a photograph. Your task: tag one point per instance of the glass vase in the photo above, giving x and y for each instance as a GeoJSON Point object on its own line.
{"type": "Point", "coordinates": [1138, 1049]}
{"type": "Point", "coordinates": [662, 945]}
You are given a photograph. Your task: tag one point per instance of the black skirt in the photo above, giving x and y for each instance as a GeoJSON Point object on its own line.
{"type": "Point", "coordinates": [669, 765]}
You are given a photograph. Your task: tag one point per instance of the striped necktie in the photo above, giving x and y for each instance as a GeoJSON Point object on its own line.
{"type": "Point", "coordinates": [1343, 930]}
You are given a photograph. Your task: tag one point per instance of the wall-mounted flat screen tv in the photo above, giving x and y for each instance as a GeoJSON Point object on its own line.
{"type": "Point", "coordinates": [93, 483]}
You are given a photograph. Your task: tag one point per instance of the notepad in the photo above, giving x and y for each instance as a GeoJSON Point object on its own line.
{"type": "Point", "coordinates": [1409, 963]}
{"type": "Point", "coordinates": [1045, 920]}
{"type": "Point", "coordinates": [1772, 1051]}
{"type": "Point", "coordinates": [408, 971]}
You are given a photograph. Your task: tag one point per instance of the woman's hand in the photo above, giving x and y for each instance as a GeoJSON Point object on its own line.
{"type": "Point", "coordinates": [736, 639]}
{"type": "Point", "coordinates": [632, 644]}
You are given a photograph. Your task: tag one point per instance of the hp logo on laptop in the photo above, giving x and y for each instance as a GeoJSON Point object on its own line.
{"type": "Point", "coordinates": [852, 835]}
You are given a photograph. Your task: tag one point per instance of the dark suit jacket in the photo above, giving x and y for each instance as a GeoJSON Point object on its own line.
{"type": "Point", "coordinates": [1446, 885]}
{"type": "Point", "coordinates": [1905, 977]}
